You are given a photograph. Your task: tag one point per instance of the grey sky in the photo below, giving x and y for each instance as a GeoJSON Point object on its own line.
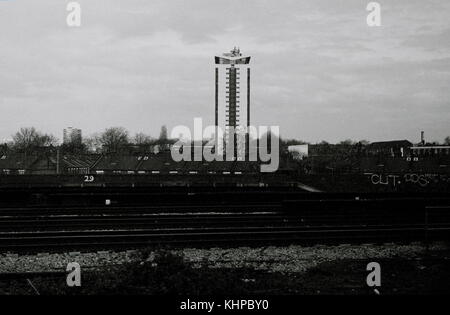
{"type": "Point", "coordinates": [318, 70]}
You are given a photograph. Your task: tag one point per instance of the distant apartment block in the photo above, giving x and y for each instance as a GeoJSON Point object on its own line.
{"type": "Point", "coordinates": [72, 135]}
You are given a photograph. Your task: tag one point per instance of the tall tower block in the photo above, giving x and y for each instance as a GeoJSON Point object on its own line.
{"type": "Point", "coordinates": [232, 91]}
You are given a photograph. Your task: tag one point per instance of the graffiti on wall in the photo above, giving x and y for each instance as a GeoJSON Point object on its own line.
{"type": "Point", "coordinates": [422, 180]}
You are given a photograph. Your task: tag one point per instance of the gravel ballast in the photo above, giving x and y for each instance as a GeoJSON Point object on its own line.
{"type": "Point", "coordinates": [287, 259]}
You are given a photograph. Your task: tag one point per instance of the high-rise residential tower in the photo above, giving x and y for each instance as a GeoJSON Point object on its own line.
{"type": "Point", "coordinates": [72, 135]}
{"type": "Point", "coordinates": [232, 93]}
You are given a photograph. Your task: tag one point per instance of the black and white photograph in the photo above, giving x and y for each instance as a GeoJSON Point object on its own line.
{"type": "Point", "coordinates": [223, 154]}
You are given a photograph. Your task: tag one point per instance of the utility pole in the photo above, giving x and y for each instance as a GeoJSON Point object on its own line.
{"type": "Point", "coordinates": [57, 160]}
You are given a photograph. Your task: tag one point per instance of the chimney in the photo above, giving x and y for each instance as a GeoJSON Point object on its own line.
{"type": "Point", "coordinates": [422, 137]}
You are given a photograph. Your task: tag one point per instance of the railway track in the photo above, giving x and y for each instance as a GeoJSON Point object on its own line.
{"type": "Point", "coordinates": [157, 222]}
{"type": "Point", "coordinates": [54, 227]}
{"type": "Point", "coordinates": [137, 238]}
{"type": "Point", "coordinates": [140, 210]}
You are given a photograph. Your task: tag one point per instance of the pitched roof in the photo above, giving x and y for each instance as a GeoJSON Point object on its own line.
{"type": "Point", "coordinates": [16, 161]}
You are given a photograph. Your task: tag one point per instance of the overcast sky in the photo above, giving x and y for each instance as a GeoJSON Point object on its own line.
{"type": "Point", "coordinates": [318, 70]}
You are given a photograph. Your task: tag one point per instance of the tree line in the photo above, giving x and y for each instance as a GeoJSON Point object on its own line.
{"type": "Point", "coordinates": [113, 139]}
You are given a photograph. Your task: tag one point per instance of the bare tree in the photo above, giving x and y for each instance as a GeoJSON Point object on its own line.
{"type": "Point", "coordinates": [142, 139]}
{"type": "Point", "coordinates": [114, 139]}
{"type": "Point", "coordinates": [447, 140]}
{"type": "Point", "coordinates": [92, 143]}
{"type": "Point", "coordinates": [25, 138]}
{"type": "Point", "coordinates": [28, 138]}
{"type": "Point", "coordinates": [347, 142]}
{"type": "Point", "coordinates": [74, 145]}
{"type": "Point", "coordinates": [364, 142]}
{"type": "Point", "coordinates": [48, 140]}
